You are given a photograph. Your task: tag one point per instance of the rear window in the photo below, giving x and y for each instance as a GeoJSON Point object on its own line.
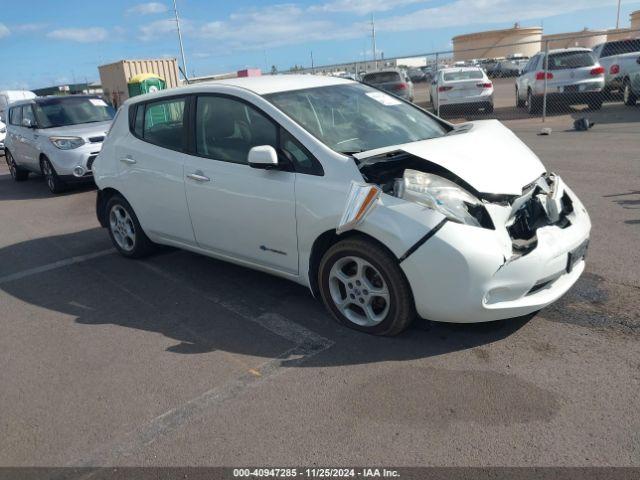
{"type": "Point", "coordinates": [621, 47]}
{"type": "Point", "coordinates": [464, 75]}
{"type": "Point", "coordinates": [565, 60]}
{"type": "Point", "coordinates": [163, 123]}
{"type": "Point", "coordinates": [382, 77]}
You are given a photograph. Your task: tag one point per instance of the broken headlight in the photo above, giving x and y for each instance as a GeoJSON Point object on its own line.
{"type": "Point", "coordinates": [442, 195]}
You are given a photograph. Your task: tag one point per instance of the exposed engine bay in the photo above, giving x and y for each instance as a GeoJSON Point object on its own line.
{"type": "Point", "coordinates": [542, 203]}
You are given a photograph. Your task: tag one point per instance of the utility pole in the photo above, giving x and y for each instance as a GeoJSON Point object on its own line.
{"type": "Point", "coordinates": [373, 41]}
{"type": "Point", "coordinates": [618, 16]}
{"type": "Point", "coordinates": [184, 61]}
{"type": "Point", "coordinates": [312, 66]}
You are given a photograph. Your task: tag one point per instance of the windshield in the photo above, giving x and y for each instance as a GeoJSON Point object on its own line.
{"type": "Point", "coordinates": [356, 118]}
{"type": "Point", "coordinates": [382, 77]}
{"type": "Point", "coordinates": [463, 75]}
{"type": "Point", "coordinates": [72, 111]}
{"type": "Point", "coordinates": [560, 61]}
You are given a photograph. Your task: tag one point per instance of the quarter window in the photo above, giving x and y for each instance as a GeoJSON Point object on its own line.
{"type": "Point", "coordinates": [226, 129]}
{"type": "Point", "coordinates": [163, 123]}
{"type": "Point", "coordinates": [302, 159]}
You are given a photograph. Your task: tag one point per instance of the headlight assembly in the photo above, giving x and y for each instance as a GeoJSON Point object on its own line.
{"type": "Point", "coordinates": [444, 196]}
{"type": "Point", "coordinates": [67, 143]}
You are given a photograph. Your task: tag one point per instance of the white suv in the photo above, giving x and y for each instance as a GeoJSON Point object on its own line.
{"type": "Point", "coordinates": [573, 76]}
{"type": "Point", "coordinates": [381, 208]}
{"type": "Point", "coordinates": [58, 137]}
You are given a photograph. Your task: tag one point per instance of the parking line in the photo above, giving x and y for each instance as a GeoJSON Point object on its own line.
{"type": "Point", "coordinates": [306, 344]}
{"type": "Point", "coordinates": [52, 266]}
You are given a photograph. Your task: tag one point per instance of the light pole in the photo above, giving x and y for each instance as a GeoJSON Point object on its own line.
{"type": "Point", "coordinates": [618, 16]}
{"type": "Point", "coordinates": [184, 61]}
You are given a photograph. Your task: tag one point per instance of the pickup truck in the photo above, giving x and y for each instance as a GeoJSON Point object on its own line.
{"type": "Point", "coordinates": [618, 58]}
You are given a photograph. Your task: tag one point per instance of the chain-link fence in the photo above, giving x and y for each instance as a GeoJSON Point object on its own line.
{"type": "Point", "coordinates": [592, 73]}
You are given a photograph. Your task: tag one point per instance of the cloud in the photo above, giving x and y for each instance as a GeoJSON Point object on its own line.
{"type": "Point", "coordinates": [28, 27]}
{"type": "Point", "coordinates": [476, 12]}
{"type": "Point", "coordinates": [272, 26]}
{"type": "Point", "coordinates": [362, 7]}
{"type": "Point", "coordinates": [149, 8]}
{"type": "Point", "coordinates": [4, 31]}
{"type": "Point", "coordinates": [81, 35]}
{"type": "Point", "coordinates": [160, 28]}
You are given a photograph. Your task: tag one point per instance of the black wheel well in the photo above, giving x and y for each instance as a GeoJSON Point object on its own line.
{"type": "Point", "coordinates": [327, 240]}
{"type": "Point", "coordinates": [40, 159]}
{"type": "Point", "coordinates": [102, 199]}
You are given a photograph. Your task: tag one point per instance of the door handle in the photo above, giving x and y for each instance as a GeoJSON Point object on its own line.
{"type": "Point", "coordinates": [128, 160]}
{"type": "Point", "coordinates": [198, 177]}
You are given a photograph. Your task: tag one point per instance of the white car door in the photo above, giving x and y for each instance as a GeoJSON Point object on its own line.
{"type": "Point", "coordinates": [236, 210]}
{"type": "Point", "coordinates": [151, 163]}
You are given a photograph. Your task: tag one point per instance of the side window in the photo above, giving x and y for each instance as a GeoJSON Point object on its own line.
{"type": "Point", "coordinates": [163, 124]}
{"type": "Point", "coordinates": [27, 114]}
{"type": "Point", "coordinates": [226, 129]}
{"type": "Point", "coordinates": [303, 160]}
{"type": "Point", "coordinates": [15, 116]}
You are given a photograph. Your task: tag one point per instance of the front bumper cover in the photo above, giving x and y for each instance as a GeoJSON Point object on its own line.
{"type": "Point", "coordinates": [466, 274]}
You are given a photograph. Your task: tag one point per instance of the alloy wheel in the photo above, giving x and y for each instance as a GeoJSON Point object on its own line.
{"type": "Point", "coordinates": [122, 228]}
{"type": "Point", "coordinates": [626, 93]}
{"type": "Point", "coordinates": [359, 291]}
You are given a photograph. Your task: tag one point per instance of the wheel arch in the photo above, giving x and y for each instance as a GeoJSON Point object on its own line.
{"type": "Point", "coordinates": [324, 242]}
{"type": "Point", "coordinates": [102, 199]}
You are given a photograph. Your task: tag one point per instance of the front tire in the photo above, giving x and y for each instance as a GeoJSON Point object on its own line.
{"type": "Point", "coordinates": [363, 287]}
{"type": "Point", "coordinates": [54, 183]}
{"type": "Point", "coordinates": [519, 103]}
{"type": "Point", "coordinates": [17, 173]}
{"type": "Point", "coordinates": [125, 230]}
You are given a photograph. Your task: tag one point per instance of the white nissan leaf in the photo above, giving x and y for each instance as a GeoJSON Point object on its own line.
{"type": "Point", "coordinates": [383, 210]}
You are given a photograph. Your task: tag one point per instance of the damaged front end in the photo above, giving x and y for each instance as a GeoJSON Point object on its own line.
{"type": "Point", "coordinates": [542, 203]}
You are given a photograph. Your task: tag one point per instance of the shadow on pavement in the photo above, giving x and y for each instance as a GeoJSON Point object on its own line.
{"type": "Point", "coordinates": [34, 188]}
{"type": "Point", "coordinates": [196, 301]}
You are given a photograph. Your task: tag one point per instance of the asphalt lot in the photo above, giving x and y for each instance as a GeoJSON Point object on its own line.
{"type": "Point", "coordinates": [184, 360]}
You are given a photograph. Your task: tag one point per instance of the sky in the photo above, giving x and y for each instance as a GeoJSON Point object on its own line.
{"type": "Point", "coordinates": [53, 42]}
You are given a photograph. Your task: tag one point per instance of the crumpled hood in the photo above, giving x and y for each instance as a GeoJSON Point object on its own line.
{"type": "Point", "coordinates": [488, 156]}
{"type": "Point", "coordinates": [83, 130]}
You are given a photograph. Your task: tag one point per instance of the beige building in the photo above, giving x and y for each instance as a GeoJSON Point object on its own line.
{"type": "Point", "coordinates": [115, 76]}
{"type": "Point", "coordinates": [498, 43]}
{"type": "Point", "coordinates": [586, 38]}
{"type": "Point", "coordinates": [635, 21]}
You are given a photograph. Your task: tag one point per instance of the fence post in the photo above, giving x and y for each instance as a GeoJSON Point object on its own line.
{"type": "Point", "coordinates": [546, 74]}
{"type": "Point", "coordinates": [435, 75]}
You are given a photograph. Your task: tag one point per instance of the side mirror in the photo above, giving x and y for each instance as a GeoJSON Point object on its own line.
{"type": "Point", "coordinates": [26, 122]}
{"type": "Point", "coordinates": [264, 157]}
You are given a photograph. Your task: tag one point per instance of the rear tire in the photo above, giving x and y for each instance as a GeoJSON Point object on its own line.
{"type": "Point", "coordinates": [630, 98]}
{"type": "Point", "coordinates": [534, 105]}
{"type": "Point", "coordinates": [519, 103]}
{"type": "Point", "coordinates": [363, 287]}
{"type": "Point", "coordinates": [17, 174]}
{"type": "Point", "coordinates": [54, 183]}
{"type": "Point", "coordinates": [125, 230]}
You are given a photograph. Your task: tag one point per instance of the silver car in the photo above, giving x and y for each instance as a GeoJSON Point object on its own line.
{"type": "Point", "coordinates": [393, 81]}
{"type": "Point", "coordinates": [573, 77]}
{"type": "Point", "coordinates": [58, 137]}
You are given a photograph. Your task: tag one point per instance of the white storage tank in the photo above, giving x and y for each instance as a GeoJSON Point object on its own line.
{"type": "Point", "coordinates": [498, 43]}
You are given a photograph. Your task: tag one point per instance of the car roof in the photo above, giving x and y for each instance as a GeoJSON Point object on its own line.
{"type": "Point", "coordinates": [572, 49]}
{"type": "Point", "coordinates": [460, 69]}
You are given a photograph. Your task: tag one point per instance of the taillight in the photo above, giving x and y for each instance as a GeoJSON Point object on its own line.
{"type": "Point", "coordinates": [540, 76]}
{"type": "Point", "coordinates": [597, 71]}
{"type": "Point", "coordinates": [484, 85]}
{"type": "Point", "coordinates": [444, 88]}
{"type": "Point", "coordinates": [401, 86]}
{"type": "Point", "coordinates": [613, 70]}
